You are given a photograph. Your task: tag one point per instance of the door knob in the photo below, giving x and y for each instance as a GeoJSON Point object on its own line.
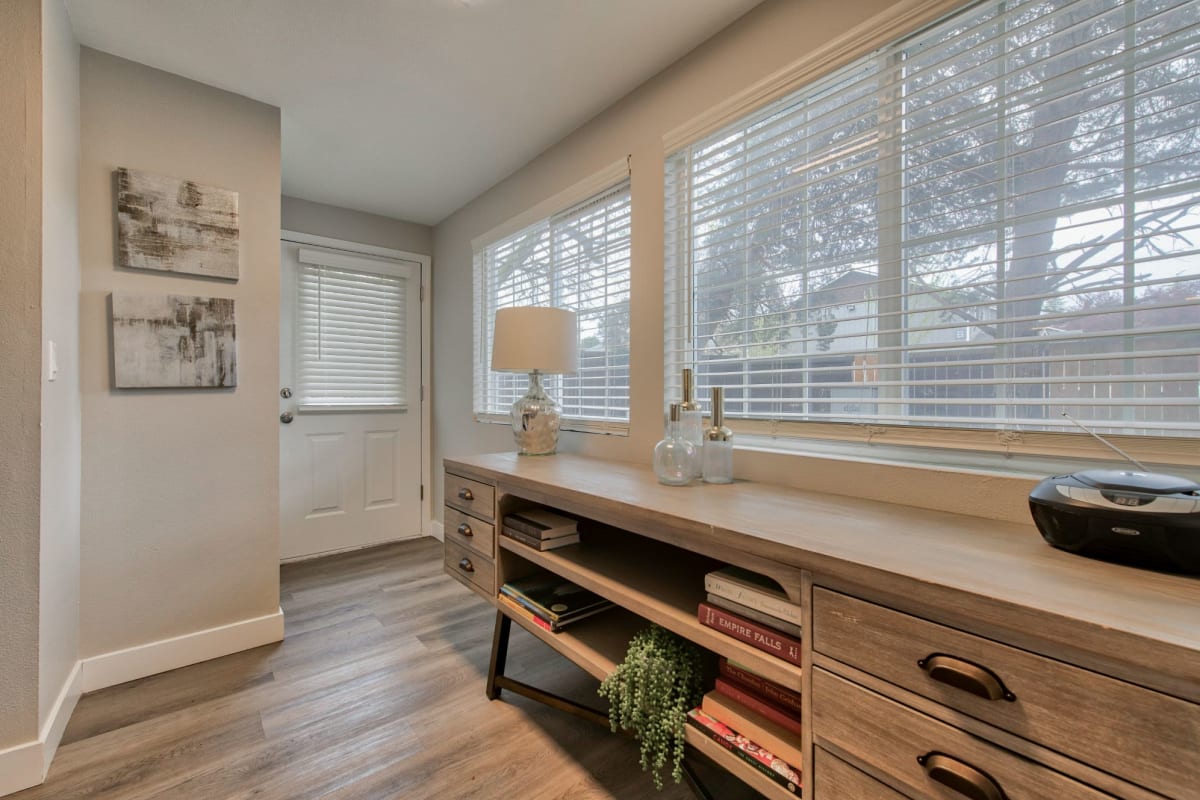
{"type": "Point", "coordinates": [286, 417]}
{"type": "Point", "coordinates": [285, 393]}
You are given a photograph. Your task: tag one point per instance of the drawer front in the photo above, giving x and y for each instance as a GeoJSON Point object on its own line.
{"type": "Point", "coordinates": [473, 570]}
{"type": "Point", "coordinates": [834, 779]}
{"type": "Point", "coordinates": [473, 497]}
{"type": "Point", "coordinates": [924, 756]}
{"type": "Point", "coordinates": [469, 532]}
{"type": "Point", "coordinates": [1141, 735]}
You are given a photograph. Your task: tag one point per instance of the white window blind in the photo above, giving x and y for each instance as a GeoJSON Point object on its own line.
{"type": "Point", "coordinates": [982, 226]}
{"type": "Point", "coordinates": [350, 337]}
{"type": "Point", "coordinates": [578, 259]}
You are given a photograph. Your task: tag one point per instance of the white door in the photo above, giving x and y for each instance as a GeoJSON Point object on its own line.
{"type": "Point", "coordinates": [350, 400]}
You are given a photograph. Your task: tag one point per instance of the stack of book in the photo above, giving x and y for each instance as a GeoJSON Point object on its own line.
{"type": "Point", "coordinates": [755, 719]}
{"type": "Point", "coordinates": [540, 528]}
{"type": "Point", "coordinates": [550, 601]}
{"type": "Point", "coordinates": [752, 608]}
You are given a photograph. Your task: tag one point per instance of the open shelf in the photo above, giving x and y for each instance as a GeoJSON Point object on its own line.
{"type": "Point", "coordinates": [655, 581]}
{"type": "Point", "coordinates": [735, 766]}
{"type": "Point", "coordinates": [598, 644]}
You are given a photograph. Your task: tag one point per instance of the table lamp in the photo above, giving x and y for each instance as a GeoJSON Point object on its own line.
{"type": "Point", "coordinates": [537, 340]}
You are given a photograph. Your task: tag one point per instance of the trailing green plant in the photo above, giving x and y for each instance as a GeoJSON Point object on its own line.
{"type": "Point", "coordinates": [650, 693]}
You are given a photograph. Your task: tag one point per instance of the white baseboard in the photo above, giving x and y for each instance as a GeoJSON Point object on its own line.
{"type": "Point", "coordinates": [119, 666]}
{"type": "Point", "coordinates": [20, 767]}
{"type": "Point", "coordinates": [60, 715]}
{"type": "Point", "coordinates": [26, 765]}
{"type": "Point", "coordinates": [438, 530]}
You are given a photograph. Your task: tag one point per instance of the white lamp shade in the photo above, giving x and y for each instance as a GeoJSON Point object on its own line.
{"type": "Point", "coordinates": [528, 338]}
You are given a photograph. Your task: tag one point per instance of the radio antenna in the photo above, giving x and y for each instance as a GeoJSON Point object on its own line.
{"type": "Point", "coordinates": [1106, 442]}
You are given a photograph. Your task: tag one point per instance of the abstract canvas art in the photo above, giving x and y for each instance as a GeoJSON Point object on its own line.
{"type": "Point", "coordinates": [173, 341]}
{"type": "Point", "coordinates": [175, 225]}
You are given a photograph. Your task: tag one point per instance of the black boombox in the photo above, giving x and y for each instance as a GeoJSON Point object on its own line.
{"type": "Point", "coordinates": [1140, 518]}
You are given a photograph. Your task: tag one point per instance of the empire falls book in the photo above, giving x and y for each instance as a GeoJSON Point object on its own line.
{"type": "Point", "coordinates": [752, 633]}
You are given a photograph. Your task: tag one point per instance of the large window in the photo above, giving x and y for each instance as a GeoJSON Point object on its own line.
{"type": "Point", "coordinates": [983, 226]}
{"type": "Point", "coordinates": [578, 259]}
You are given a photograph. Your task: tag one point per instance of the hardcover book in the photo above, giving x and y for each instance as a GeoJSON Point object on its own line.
{"type": "Point", "coordinates": [764, 761]}
{"type": "Point", "coordinates": [535, 542]}
{"type": "Point", "coordinates": [753, 726]}
{"type": "Point", "coordinates": [781, 696]}
{"type": "Point", "coordinates": [752, 633]}
{"type": "Point", "coordinates": [778, 623]}
{"type": "Point", "coordinates": [540, 522]}
{"type": "Point", "coordinates": [554, 598]}
{"type": "Point", "coordinates": [525, 613]}
{"type": "Point", "coordinates": [751, 589]}
{"type": "Point", "coordinates": [752, 701]}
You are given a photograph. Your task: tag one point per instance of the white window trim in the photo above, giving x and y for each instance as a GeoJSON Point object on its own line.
{"type": "Point", "coordinates": [573, 195]}
{"type": "Point", "coordinates": [911, 446]}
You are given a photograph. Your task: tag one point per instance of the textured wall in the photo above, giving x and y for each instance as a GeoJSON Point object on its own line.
{"type": "Point", "coordinates": [305, 216]}
{"type": "Point", "coordinates": [20, 357]}
{"type": "Point", "coordinates": [180, 499]}
{"type": "Point", "coordinates": [61, 454]}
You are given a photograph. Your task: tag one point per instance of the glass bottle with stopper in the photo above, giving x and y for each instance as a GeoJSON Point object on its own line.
{"type": "Point", "coordinates": [717, 455]}
{"type": "Point", "coordinates": [692, 418]}
{"type": "Point", "coordinates": [675, 458]}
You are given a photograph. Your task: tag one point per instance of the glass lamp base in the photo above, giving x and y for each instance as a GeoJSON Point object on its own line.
{"type": "Point", "coordinates": [535, 421]}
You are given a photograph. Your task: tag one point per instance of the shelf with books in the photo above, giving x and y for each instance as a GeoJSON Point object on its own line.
{"type": "Point", "coordinates": [598, 644]}
{"type": "Point", "coordinates": [655, 581]}
{"type": "Point", "coordinates": [728, 761]}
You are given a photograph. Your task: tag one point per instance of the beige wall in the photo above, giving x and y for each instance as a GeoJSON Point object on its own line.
{"type": "Point", "coordinates": [768, 39]}
{"type": "Point", "coordinates": [305, 216]}
{"type": "Point", "coordinates": [20, 356]}
{"type": "Point", "coordinates": [180, 504]}
{"type": "Point", "coordinates": [59, 614]}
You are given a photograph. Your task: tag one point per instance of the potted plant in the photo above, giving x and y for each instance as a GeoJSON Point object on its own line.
{"type": "Point", "coordinates": [650, 693]}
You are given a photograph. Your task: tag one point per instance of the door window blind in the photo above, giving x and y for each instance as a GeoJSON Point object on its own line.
{"type": "Point", "coordinates": [350, 337]}
{"type": "Point", "coordinates": [579, 260]}
{"type": "Point", "coordinates": [985, 225]}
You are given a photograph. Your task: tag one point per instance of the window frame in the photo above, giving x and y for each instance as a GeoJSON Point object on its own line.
{"type": "Point", "coordinates": [614, 180]}
{"type": "Point", "coordinates": [874, 36]}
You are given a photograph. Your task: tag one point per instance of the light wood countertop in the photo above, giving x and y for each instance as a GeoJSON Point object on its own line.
{"type": "Point", "coordinates": [994, 578]}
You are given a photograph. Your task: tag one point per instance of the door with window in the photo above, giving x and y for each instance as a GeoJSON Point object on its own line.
{"type": "Point", "coordinates": [350, 400]}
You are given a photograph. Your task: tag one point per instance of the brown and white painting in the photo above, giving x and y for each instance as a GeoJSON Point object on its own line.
{"type": "Point", "coordinates": [173, 341]}
{"type": "Point", "coordinates": [174, 225]}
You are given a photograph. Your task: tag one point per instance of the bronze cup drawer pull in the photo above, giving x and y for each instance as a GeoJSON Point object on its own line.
{"type": "Point", "coordinates": [464, 529]}
{"type": "Point", "coordinates": [960, 777]}
{"type": "Point", "coordinates": [466, 494]}
{"type": "Point", "coordinates": [965, 675]}
{"type": "Point", "coordinates": [466, 566]}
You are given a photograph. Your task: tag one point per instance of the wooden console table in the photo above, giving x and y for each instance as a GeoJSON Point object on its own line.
{"type": "Point", "coordinates": [945, 656]}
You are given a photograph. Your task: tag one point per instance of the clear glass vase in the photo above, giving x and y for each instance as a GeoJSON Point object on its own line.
{"type": "Point", "coordinates": [676, 460]}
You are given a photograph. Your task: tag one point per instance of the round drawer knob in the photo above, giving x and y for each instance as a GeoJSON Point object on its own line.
{"type": "Point", "coordinates": [465, 494]}
{"type": "Point", "coordinates": [466, 566]}
{"type": "Point", "coordinates": [465, 530]}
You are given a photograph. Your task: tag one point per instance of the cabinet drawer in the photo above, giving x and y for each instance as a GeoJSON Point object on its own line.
{"type": "Point", "coordinates": [834, 779]}
{"type": "Point", "coordinates": [470, 568]}
{"type": "Point", "coordinates": [1141, 735]}
{"type": "Point", "coordinates": [469, 532]}
{"type": "Point", "coordinates": [915, 750]}
{"type": "Point", "coordinates": [471, 496]}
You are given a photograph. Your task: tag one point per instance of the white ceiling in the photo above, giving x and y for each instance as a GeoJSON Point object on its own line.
{"type": "Point", "coordinates": [409, 108]}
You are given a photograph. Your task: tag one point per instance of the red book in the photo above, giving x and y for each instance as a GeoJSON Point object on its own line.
{"type": "Point", "coordinates": [755, 703]}
{"type": "Point", "coordinates": [752, 633]}
{"type": "Point", "coordinates": [786, 699]}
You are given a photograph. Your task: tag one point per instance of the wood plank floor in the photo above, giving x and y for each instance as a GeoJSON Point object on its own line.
{"type": "Point", "coordinates": [377, 692]}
